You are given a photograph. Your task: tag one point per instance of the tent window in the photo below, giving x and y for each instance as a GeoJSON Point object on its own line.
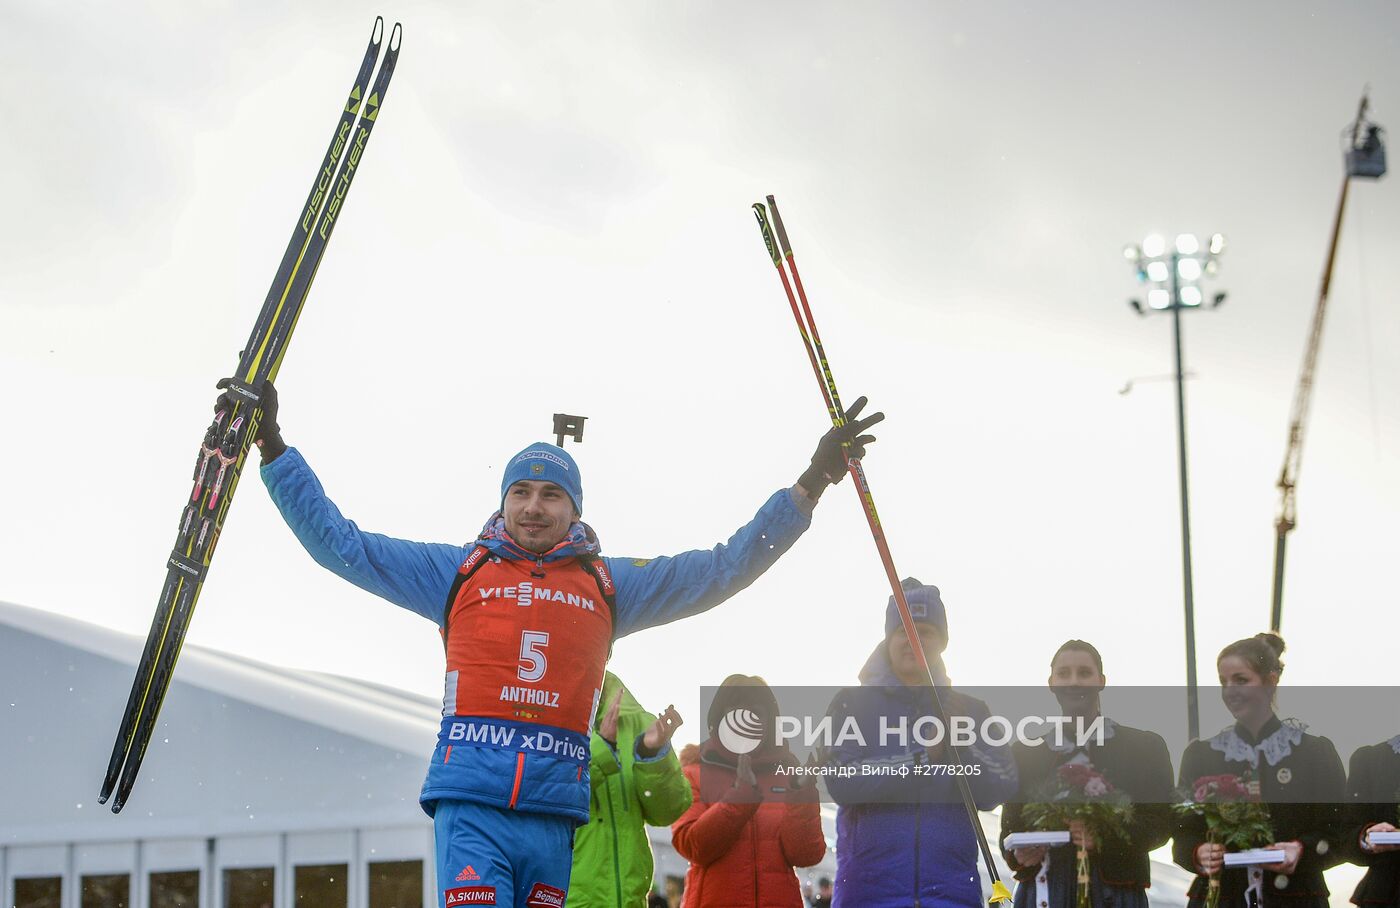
{"type": "Point", "coordinates": [396, 884]}
{"type": "Point", "coordinates": [39, 892]}
{"type": "Point", "coordinates": [175, 890]}
{"type": "Point", "coordinates": [111, 890]}
{"type": "Point", "coordinates": [322, 885]}
{"type": "Point", "coordinates": [248, 887]}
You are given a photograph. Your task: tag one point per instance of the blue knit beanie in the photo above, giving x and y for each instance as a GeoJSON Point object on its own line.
{"type": "Point", "coordinates": [548, 463]}
{"type": "Point", "coordinates": [925, 606]}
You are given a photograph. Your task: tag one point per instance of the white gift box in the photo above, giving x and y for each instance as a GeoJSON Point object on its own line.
{"type": "Point", "coordinates": [1253, 856]}
{"type": "Point", "coordinates": [1029, 839]}
{"type": "Point", "coordinates": [1383, 838]}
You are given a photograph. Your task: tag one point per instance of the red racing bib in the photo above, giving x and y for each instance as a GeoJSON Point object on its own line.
{"type": "Point", "coordinates": [527, 642]}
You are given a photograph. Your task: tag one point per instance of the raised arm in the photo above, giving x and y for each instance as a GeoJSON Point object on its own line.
{"type": "Point", "coordinates": [658, 591]}
{"type": "Point", "coordinates": [414, 575]}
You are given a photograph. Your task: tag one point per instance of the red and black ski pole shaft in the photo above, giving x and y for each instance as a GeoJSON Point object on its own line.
{"type": "Point", "coordinates": [821, 367]}
{"type": "Point", "coordinates": [811, 339]}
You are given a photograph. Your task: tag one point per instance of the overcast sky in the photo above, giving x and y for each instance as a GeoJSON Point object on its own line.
{"type": "Point", "coordinates": [553, 216]}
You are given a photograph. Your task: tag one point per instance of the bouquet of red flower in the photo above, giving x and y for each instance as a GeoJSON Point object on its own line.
{"type": "Point", "coordinates": [1080, 792]}
{"type": "Point", "coordinates": [1234, 817]}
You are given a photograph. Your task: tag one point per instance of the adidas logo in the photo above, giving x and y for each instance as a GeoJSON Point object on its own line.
{"type": "Point", "coordinates": [468, 874]}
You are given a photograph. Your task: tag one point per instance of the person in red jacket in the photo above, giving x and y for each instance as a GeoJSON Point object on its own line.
{"type": "Point", "coordinates": [758, 825]}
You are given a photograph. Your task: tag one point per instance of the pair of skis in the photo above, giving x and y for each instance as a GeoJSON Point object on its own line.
{"type": "Point", "coordinates": [230, 435]}
{"type": "Point", "coordinates": [807, 327]}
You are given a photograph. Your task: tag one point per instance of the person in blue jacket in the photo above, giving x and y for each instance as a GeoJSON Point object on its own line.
{"type": "Point", "coordinates": [528, 613]}
{"type": "Point", "coordinates": [904, 838]}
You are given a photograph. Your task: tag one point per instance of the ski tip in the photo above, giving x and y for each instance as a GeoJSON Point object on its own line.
{"type": "Point", "coordinates": [376, 35]}
{"type": "Point", "coordinates": [395, 37]}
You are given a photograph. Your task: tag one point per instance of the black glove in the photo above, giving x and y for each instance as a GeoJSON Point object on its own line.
{"type": "Point", "coordinates": [269, 435]}
{"type": "Point", "coordinates": [829, 462]}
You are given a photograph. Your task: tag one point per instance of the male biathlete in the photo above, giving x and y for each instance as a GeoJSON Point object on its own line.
{"type": "Point", "coordinates": [528, 613]}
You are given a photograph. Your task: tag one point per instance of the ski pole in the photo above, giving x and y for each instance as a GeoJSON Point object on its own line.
{"type": "Point", "coordinates": [816, 354]}
{"type": "Point", "coordinates": [811, 339]}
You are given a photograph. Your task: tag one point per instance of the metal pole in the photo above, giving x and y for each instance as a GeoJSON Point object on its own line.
{"type": "Point", "coordinates": [1193, 715]}
{"type": "Point", "coordinates": [1280, 552]}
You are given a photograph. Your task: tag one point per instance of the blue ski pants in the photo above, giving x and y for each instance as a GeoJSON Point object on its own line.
{"type": "Point", "coordinates": [503, 858]}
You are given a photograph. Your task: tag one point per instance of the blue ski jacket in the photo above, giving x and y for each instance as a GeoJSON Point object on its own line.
{"type": "Point", "coordinates": [418, 576]}
{"type": "Point", "coordinates": [935, 859]}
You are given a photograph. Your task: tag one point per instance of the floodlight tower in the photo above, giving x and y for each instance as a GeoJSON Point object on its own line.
{"type": "Point", "coordinates": [1174, 281]}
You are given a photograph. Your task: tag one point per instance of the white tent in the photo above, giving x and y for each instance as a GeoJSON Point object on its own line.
{"type": "Point", "coordinates": [302, 780]}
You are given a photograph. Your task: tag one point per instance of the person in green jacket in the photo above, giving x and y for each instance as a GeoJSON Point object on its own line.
{"type": "Point", "coordinates": [636, 780]}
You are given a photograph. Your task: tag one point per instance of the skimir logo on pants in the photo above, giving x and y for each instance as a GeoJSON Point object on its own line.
{"type": "Point", "coordinates": [741, 731]}
{"type": "Point", "coordinates": [470, 895]}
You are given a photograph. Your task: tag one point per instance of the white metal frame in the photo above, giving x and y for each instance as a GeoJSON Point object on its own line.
{"type": "Point", "coordinates": [171, 856]}
{"type": "Point", "coordinates": [18, 861]}
{"type": "Point", "coordinates": [238, 852]}
{"type": "Point", "coordinates": [404, 843]}
{"type": "Point", "coordinates": [100, 859]}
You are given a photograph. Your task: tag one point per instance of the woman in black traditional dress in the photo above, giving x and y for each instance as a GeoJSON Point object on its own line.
{"type": "Point", "coordinates": [1132, 760]}
{"type": "Point", "coordinates": [1373, 790]}
{"type": "Point", "coordinates": [1298, 775]}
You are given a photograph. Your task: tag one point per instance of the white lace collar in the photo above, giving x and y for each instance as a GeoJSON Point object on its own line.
{"type": "Point", "coordinates": [1394, 743]}
{"type": "Point", "coordinates": [1274, 748]}
{"type": "Point", "coordinates": [1068, 745]}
